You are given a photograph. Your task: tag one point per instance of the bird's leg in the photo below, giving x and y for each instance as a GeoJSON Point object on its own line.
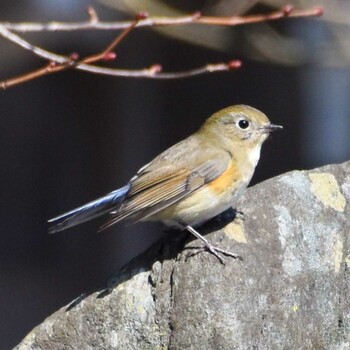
{"type": "Point", "coordinates": [211, 248]}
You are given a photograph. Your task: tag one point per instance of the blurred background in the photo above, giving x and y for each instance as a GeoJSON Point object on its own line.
{"type": "Point", "coordinates": [71, 137]}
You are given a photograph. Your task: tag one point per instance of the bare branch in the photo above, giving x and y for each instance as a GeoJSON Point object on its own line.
{"type": "Point", "coordinates": [153, 72]}
{"type": "Point", "coordinates": [286, 12]}
{"type": "Point", "coordinates": [59, 62]}
{"type": "Point", "coordinates": [196, 18]}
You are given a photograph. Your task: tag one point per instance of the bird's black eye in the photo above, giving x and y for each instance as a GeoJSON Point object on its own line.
{"type": "Point", "coordinates": [243, 124]}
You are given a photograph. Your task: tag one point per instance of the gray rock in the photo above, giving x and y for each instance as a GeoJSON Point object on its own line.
{"type": "Point", "coordinates": [290, 292]}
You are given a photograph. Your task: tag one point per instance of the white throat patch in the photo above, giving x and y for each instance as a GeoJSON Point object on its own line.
{"type": "Point", "coordinates": [254, 155]}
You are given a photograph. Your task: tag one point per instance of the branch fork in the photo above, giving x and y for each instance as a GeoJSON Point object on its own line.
{"type": "Point", "coordinates": [73, 61]}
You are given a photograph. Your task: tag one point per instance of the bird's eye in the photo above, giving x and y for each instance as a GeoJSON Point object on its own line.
{"type": "Point", "coordinates": [243, 124]}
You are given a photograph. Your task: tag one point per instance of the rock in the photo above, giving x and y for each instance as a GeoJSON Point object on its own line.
{"type": "Point", "coordinates": [290, 292]}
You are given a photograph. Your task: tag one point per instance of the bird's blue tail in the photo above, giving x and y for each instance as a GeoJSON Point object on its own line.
{"type": "Point", "coordinates": [89, 211]}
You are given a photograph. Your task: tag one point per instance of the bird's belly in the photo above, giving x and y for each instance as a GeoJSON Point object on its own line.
{"type": "Point", "coordinates": [200, 206]}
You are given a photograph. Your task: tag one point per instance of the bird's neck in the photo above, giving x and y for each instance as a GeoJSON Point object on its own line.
{"type": "Point", "coordinates": [253, 154]}
{"type": "Point", "coordinates": [246, 154]}
{"type": "Point", "coordinates": [247, 149]}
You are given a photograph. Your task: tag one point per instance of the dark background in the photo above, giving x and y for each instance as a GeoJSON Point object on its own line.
{"type": "Point", "coordinates": [68, 138]}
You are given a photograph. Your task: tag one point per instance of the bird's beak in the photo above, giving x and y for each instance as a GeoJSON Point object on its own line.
{"type": "Point", "coordinates": [270, 128]}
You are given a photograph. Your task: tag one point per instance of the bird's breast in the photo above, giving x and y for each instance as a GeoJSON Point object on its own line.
{"type": "Point", "coordinates": [208, 201]}
{"type": "Point", "coordinates": [226, 182]}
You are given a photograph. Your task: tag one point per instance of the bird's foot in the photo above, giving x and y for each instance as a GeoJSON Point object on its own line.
{"type": "Point", "coordinates": [218, 252]}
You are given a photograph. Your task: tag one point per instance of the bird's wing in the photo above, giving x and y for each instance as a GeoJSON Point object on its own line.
{"type": "Point", "coordinates": [166, 180]}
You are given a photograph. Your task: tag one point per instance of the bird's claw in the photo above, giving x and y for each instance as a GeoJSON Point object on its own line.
{"type": "Point", "coordinates": [216, 251]}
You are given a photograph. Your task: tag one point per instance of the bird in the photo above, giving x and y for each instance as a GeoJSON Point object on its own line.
{"type": "Point", "coordinates": [189, 183]}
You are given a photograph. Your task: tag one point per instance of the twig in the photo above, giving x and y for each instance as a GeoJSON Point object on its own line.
{"type": "Point", "coordinates": [95, 24]}
{"type": "Point", "coordinates": [154, 72]}
{"type": "Point", "coordinates": [92, 14]}
{"type": "Point", "coordinates": [149, 73]}
{"type": "Point", "coordinates": [59, 62]}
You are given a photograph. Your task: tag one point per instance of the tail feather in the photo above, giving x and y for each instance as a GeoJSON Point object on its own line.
{"type": "Point", "coordinates": [89, 211]}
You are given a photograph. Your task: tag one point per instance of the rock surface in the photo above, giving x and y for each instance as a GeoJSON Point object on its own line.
{"type": "Point", "coordinates": [290, 292]}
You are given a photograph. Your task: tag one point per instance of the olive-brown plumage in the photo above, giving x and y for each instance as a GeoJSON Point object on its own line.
{"type": "Point", "coordinates": [190, 182]}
